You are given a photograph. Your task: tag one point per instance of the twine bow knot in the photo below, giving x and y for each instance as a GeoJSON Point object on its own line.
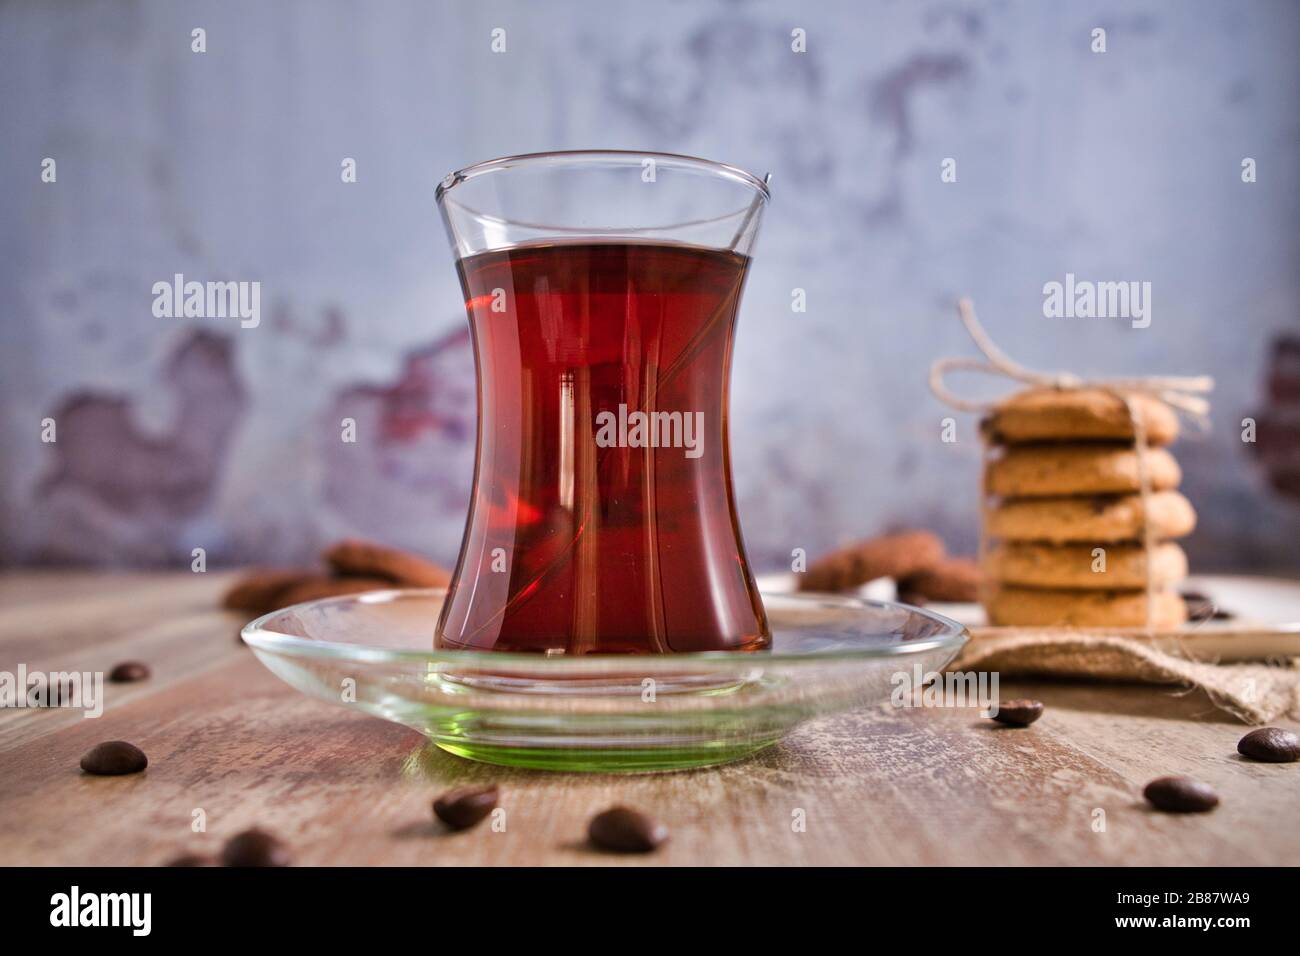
{"type": "Point", "coordinates": [1180, 392]}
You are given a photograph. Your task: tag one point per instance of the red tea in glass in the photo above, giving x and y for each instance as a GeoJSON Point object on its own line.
{"type": "Point", "coordinates": [603, 518]}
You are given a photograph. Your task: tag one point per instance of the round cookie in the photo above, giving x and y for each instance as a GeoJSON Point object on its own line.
{"type": "Point", "coordinates": [1034, 565]}
{"type": "Point", "coordinates": [897, 556]}
{"type": "Point", "coordinates": [1101, 518]}
{"type": "Point", "coordinates": [368, 559]}
{"type": "Point", "coordinates": [1084, 414]}
{"type": "Point", "coordinates": [322, 586]}
{"type": "Point", "coordinates": [1042, 607]}
{"type": "Point", "coordinates": [260, 590]}
{"type": "Point", "coordinates": [1032, 471]}
{"type": "Point", "coordinates": [952, 579]}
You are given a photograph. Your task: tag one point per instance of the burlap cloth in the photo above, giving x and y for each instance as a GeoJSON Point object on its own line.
{"type": "Point", "coordinates": [1254, 693]}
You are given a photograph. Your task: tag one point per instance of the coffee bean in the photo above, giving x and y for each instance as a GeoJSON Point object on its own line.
{"type": "Point", "coordinates": [1181, 795]}
{"type": "Point", "coordinates": [1270, 745]}
{"type": "Point", "coordinates": [1018, 713]}
{"type": "Point", "coordinates": [463, 808]}
{"type": "Point", "coordinates": [254, 848]}
{"type": "Point", "coordinates": [191, 859]}
{"type": "Point", "coordinates": [129, 671]}
{"type": "Point", "coordinates": [624, 830]}
{"type": "Point", "coordinates": [114, 758]}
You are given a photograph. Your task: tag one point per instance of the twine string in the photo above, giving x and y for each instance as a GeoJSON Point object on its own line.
{"type": "Point", "coordinates": [1183, 393]}
{"type": "Point", "coordinates": [1144, 493]}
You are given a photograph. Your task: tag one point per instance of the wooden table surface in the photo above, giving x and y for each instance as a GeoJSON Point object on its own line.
{"type": "Point", "coordinates": [883, 786]}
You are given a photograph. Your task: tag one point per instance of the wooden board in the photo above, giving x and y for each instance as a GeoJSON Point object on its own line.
{"type": "Point", "coordinates": [1264, 626]}
{"type": "Point", "coordinates": [884, 786]}
{"type": "Point", "coordinates": [1264, 623]}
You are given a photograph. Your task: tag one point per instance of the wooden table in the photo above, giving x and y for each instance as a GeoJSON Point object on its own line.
{"type": "Point", "coordinates": [883, 786]}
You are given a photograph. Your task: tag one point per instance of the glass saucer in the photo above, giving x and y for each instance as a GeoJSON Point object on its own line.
{"type": "Point", "coordinates": [603, 713]}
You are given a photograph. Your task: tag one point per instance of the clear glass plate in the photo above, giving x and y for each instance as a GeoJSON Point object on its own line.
{"type": "Point", "coordinates": [601, 713]}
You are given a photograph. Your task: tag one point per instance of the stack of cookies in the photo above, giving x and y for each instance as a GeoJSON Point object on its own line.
{"type": "Point", "coordinates": [1067, 524]}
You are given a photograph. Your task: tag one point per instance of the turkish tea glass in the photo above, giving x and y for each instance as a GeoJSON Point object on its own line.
{"type": "Point", "coordinates": [602, 289]}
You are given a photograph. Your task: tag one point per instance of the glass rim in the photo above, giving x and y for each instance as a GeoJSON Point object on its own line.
{"type": "Point", "coordinates": [733, 173]}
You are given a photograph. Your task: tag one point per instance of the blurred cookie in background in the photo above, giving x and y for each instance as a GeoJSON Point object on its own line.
{"type": "Point", "coordinates": [1277, 435]}
{"type": "Point", "coordinates": [897, 555]}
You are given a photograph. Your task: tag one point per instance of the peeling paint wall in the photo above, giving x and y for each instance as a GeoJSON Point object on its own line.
{"type": "Point", "coordinates": [225, 165]}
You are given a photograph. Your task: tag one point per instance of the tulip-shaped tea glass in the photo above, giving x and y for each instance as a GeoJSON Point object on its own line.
{"type": "Point", "coordinates": [602, 289]}
{"type": "Point", "coordinates": [602, 589]}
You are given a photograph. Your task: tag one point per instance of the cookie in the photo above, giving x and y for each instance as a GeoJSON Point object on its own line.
{"type": "Point", "coordinates": [1041, 607]}
{"type": "Point", "coordinates": [1030, 564]}
{"type": "Point", "coordinates": [368, 559]}
{"type": "Point", "coordinates": [321, 586]}
{"type": "Point", "coordinates": [952, 579]}
{"type": "Point", "coordinates": [1085, 414]}
{"type": "Point", "coordinates": [259, 590]}
{"type": "Point", "coordinates": [897, 556]}
{"type": "Point", "coordinates": [1032, 471]}
{"type": "Point", "coordinates": [1102, 518]}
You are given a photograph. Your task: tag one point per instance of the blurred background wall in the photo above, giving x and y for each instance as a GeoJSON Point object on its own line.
{"type": "Point", "coordinates": [182, 433]}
